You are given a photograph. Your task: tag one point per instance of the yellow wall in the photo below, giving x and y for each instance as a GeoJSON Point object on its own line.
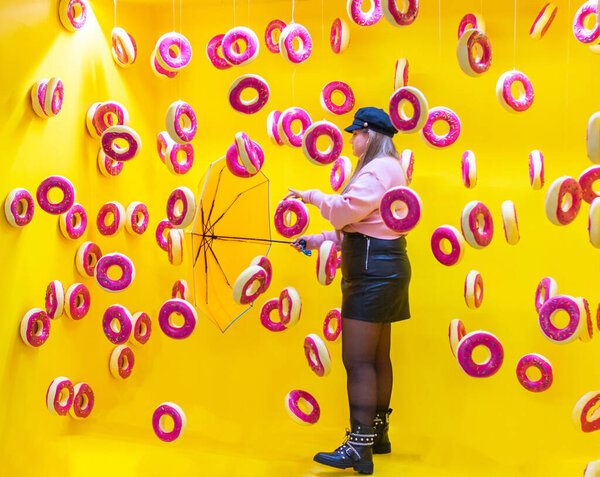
{"type": "Point", "coordinates": [231, 386]}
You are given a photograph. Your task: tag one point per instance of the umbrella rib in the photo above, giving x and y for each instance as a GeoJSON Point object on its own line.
{"type": "Point", "coordinates": [234, 200]}
{"type": "Point", "coordinates": [212, 205]}
{"type": "Point", "coordinates": [220, 268]}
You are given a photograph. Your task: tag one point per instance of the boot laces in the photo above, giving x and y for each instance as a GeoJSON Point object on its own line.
{"type": "Point", "coordinates": [346, 447]}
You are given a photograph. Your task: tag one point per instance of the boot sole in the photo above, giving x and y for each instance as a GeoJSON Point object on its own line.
{"type": "Point", "coordinates": [361, 468]}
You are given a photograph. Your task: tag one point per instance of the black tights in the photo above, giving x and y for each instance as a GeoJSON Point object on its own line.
{"type": "Point", "coordinates": [366, 356]}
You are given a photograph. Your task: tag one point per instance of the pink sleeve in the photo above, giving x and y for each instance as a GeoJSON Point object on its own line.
{"type": "Point", "coordinates": [314, 241]}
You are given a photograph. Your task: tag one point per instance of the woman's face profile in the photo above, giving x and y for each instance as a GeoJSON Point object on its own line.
{"type": "Point", "coordinates": [359, 141]}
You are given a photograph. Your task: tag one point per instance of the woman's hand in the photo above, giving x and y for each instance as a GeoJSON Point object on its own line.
{"type": "Point", "coordinates": [298, 194]}
{"type": "Point", "coordinates": [306, 239]}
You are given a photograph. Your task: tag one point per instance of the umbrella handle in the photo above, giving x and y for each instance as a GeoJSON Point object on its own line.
{"type": "Point", "coordinates": [302, 243]}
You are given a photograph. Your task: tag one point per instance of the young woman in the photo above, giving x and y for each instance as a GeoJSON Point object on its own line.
{"type": "Point", "coordinates": [375, 277]}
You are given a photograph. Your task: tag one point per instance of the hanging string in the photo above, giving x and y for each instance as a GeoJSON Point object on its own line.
{"type": "Point", "coordinates": [173, 15]}
{"type": "Point", "coordinates": [293, 8]}
{"type": "Point", "coordinates": [567, 68]}
{"type": "Point", "coordinates": [515, 39]}
{"type": "Point", "coordinates": [322, 25]}
{"type": "Point", "coordinates": [115, 2]}
{"type": "Point", "coordinates": [233, 12]}
{"type": "Point", "coordinates": [440, 25]}
{"type": "Point", "coordinates": [248, 13]}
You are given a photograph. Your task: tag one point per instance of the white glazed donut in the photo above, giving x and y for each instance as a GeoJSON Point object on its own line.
{"type": "Point", "coordinates": [77, 301]}
{"type": "Point", "coordinates": [137, 218]}
{"type": "Point", "coordinates": [55, 299]}
{"type": "Point", "coordinates": [410, 205]}
{"type": "Point", "coordinates": [59, 396]}
{"type": "Point", "coordinates": [471, 21]}
{"type": "Point", "coordinates": [117, 324]}
{"type": "Point", "coordinates": [142, 328]}
{"type": "Point", "coordinates": [108, 167]}
{"type": "Point", "coordinates": [563, 200]}
{"type": "Point", "coordinates": [121, 362]}
{"type": "Point", "coordinates": [101, 116]}
{"type": "Point", "coordinates": [469, 61]}
{"type": "Point", "coordinates": [284, 125]}
{"type": "Point", "coordinates": [326, 97]}
{"type": "Point", "coordinates": [407, 161]}
{"type": "Point", "coordinates": [536, 169]}
{"type": "Point", "coordinates": [283, 217]}
{"type": "Point", "coordinates": [249, 284]}
{"type": "Point", "coordinates": [272, 132]}
{"type": "Point", "coordinates": [339, 36]}
{"type": "Point", "coordinates": [249, 81]}
{"type": "Point", "coordinates": [312, 135]}
{"type": "Point", "coordinates": [441, 113]}
{"type": "Point", "coordinates": [73, 13]}
{"type": "Point", "coordinates": [86, 258]}
{"type": "Point", "coordinates": [332, 334]}
{"type": "Point", "coordinates": [452, 236]}
{"type": "Point", "coordinates": [181, 207]}
{"type": "Point", "coordinates": [586, 180]}
{"type": "Point", "coordinates": [464, 354]}
{"type": "Point", "coordinates": [509, 220]}
{"type": "Point", "coordinates": [124, 48]}
{"type": "Point", "coordinates": [117, 216]}
{"type": "Point", "coordinates": [362, 18]}
{"type": "Point", "coordinates": [543, 21]}
{"type": "Point", "coordinates": [546, 289]}
{"type": "Point", "coordinates": [176, 414]}
{"type": "Point", "coordinates": [297, 413]}
{"type": "Point", "coordinates": [400, 15]}
{"type": "Point", "coordinates": [468, 167]}
{"type": "Point", "coordinates": [341, 172]}
{"type": "Point", "coordinates": [244, 55]}
{"type": "Point", "coordinates": [477, 224]}
{"type": "Point", "coordinates": [182, 308]}
{"type": "Point", "coordinates": [19, 207]}
{"type": "Point", "coordinates": [83, 401]}
{"type": "Point", "coordinates": [58, 182]}
{"type": "Point", "coordinates": [290, 306]}
{"type": "Point", "coordinates": [73, 222]}
{"type": "Point", "coordinates": [181, 122]}
{"type": "Point", "coordinates": [114, 260]}
{"type": "Point", "coordinates": [542, 364]}
{"type": "Point", "coordinates": [585, 415]}
{"type": "Point", "coordinates": [173, 51]}
{"type": "Point", "coordinates": [327, 262]}
{"type": "Point", "coordinates": [456, 332]}
{"type": "Point", "coordinates": [548, 311]}
{"type": "Point", "coordinates": [587, 327]}
{"type": "Point", "coordinates": [265, 263]}
{"type": "Point", "coordinates": [125, 133]}
{"type": "Point", "coordinates": [593, 138]}
{"type": "Point", "coordinates": [181, 290]}
{"type": "Point", "coordinates": [175, 246]}
{"type": "Point", "coordinates": [295, 31]}
{"type": "Point", "coordinates": [505, 95]}
{"type": "Point", "coordinates": [317, 355]}
{"type": "Point", "coordinates": [473, 289]}
{"type": "Point", "coordinates": [35, 327]}
{"type": "Point", "coordinates": [400, 120]}
{"type": "Point", "coordinates": [594, 223]}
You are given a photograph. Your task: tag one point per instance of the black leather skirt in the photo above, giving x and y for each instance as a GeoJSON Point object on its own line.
{"type": "Point", "coordinates": [375, 278]}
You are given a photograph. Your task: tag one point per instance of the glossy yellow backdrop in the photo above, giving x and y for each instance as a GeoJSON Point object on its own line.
{"type": "Point", "coordinates": [232, 385]}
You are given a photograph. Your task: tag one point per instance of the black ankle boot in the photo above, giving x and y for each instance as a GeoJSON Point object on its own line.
{"type": "Point", "coordinates": [382, 445]}
{"type": "Point", "coordinates": [354, 452]}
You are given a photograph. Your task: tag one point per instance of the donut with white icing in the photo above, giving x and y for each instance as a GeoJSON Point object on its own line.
{"type": "Point", "coordinates": [317, 355]}
{"type": "Point", "coordinates": [563, 200]}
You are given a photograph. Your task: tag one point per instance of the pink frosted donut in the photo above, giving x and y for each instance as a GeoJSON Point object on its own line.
{"type": "Point", "coordinates": [55, 299]}
{"type": "Point", "coordinates": [83, 401]}
{"type": "Point", "coordinates": [163, 145]}
{"type": "Point", "coordinates": [77, 301]}
{"type": "Point", "coordinates": [175, 163]}
{"type": "Point", "coordinates": [583, 34]}
{"type": "Point", "coordinates": [157, 68]}
{"type": "Point", "coordinates": [295, 32]}
{"type": "Point", "coordinates": [410, 205]}
{"type": "Point", "coordinates": [265, 263]}
{"type": "Point", "coordinates": [585, 415]}
{"type": "Point", "coordinates": [587, 328]}
{"type": "Point", "coordinates": [361, 18]}
{"type": "Point", "coordinates": [441, 114]}
{"type": "Point", "coordinates": [536, 169]}
{"type": "Point", "coordinates": [117, 324]}
{"type": "Point", "coordinates": [327, 261]}
{"type": "Point", "coordinates": [35, 327]}
{"type": "Point", "coordinates": [181, 290]}
{"type": "Point", "coordinates": [469, 169]}
{"type": "Point", "coordinates": [332, 334]}
{"type": "Point", "coordinates": [59, 396]}
{"type": "Point", "coordinates": [176, 414]}
{"type": "Point", "coordinates": [242, 83]}
{"type": "Point", "coordinates": [175, 246]}
{"type": "Point", "coordinates": [249, 284]}
{"type": "Point", "coordinates": [477, 224]}
{"type": "Point", "coordinates": [38, 95]}
{"type": "Point", "coordinates": [401, 73]}
{"type": "Point", "coordinates": [407, 160]}
{"type": "Point", "coordinates": [115, 213]}
{"type": "Point", "coordinates": [108, 167]}
{"type": "Point", "coordinates": [123, 47]}
{"type": "Point", "coordinates": [181, 207]}
{"type": "Point", "coordinates": [510, 223]}
{"type": "Point", "coordinates": [19, 207]}
{"type": "Point", "coordinates": [137, 218]}
{"type": "Point", "coordinates": [250, 155]}
{"type": "Point", "coordinates": [548, 311]}
{"type": "Point", "coordinates": [294, 398]}
{"type": "Point", "coordinates": [283, 217]}
{"type": "Point", "coordinates": [593, 137]}
{"type": "Point", "coordinates": [451, 255]}
{"type": "Point", "coordinates": [284, 125]}
{"type": "Point", "coordinates": [594, 223]}
{"type": "Point", "coordinates": [341, 172]}
{"type": "Point", "coordinates": [114, 260]}
{"type": "Point", "coordinates": [290, 306]}
{"type": "Point", "coordinates": [328, 105]}
{"type": "Point", "coordinates": [65, 186]}
{"type": "Point", "coordinates": [505, 95]}
{"type": "Point", "coordinates": [121, 362]}
{"type": "Point", "coordinates": [53, 97]}
{"type": "Point", "coordinates": [101, 116]}
{"type": "Point", "coordinates": [173, 51]}
{"type": "Point", "coordinates": [272, 132]}
{"type": "Point", "coordinates": [73, 222]}
{"type": "Point", "coordinates": [414, 97]}
{"type": "Point", "coordinates": [73, 14]}
{"type": "Point", "coordinates": [142, 327]}
{"type": "Point", "coordinates": [473, 289]}
{"type": "Point", "coordinates": [181, 122]}
{"type": "Point", "coordinates": [546, 289]}
{"type": "Point", "coordinates": [271, 37]}
{"type": "Point", "coordinates": [563, 200]}
{"type": "Point", "coordinates": [543, 21]}
{"type": "Point", "coordinates": [317, 355]}
{"type": "Point", "coordinates": [182, 308]}
{"type": "Point", "coordinates": [470, 61]}
{"type": "Point", "coordinates": [339, 36]}
{"type": "Point", "coordinates": [312, 135]}
{"type": "Point", "coordinates": [162, 227]}
{"type": "Point", "coordinates": [402, 15]}
{"type": "Point", "coordinates": [87, 258]}
{"type": "Point", "coordinates": [464, 354]}
{"type": "Point", "coordinates": [244, 55]}
{"type": "Point", "coordinates": [471, 21]}
{"type": "Point", "coordinates": [586, 182]}
{"type": "Point", "coordinates": [265, 316]}
{"type": "Point", "coordinates": [542, 364]}
{"type": "Point", "coordinates": [456, 332]}
{"type": "Point", "coordinates": [123, 133]}
{"type": "Point", "coordinates": [212, 52]}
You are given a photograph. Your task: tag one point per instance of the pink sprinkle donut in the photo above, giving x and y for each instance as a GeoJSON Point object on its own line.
{"type": "Point", "coordinates": [401, 73]}
{"type": "Point", "coordinates": [38, 95]}
{"type": "Point", "coordinates": [341, 172]}
{"type": "Point", "coordinates": [407, 160]}
{"type": "Point", "coordinates": [137, 218]}
{"type": "Point", "coordinates": [157, 68]}
{"type": "Point", "coordinates": [181, 290]}
{"type": "Point", "coordinates": [583, 34]}
{"type": "Point", "coordinates": [121, 362]}
{"type": "Point", "coordinates": [410, 205]}
{"type": "Point", "coordinates": [456, 332]}
{"type": "Point", "coordinates": [587, 328]}
{"type": "Point", "coordinates": [593, 138]}
{"type": "Point", "coordinates": [361, 18]}
{"type": "Point", "coordinates": [469, 169]}
{"type": "Point", "coordinates": [327, 261]}
{"type": "Point", "coordinates": [114, 260]}
{"type": "Point", "coordinates": [175, 163]}
{"type": "Point", "coordinates": [550, 308]}
{"type": "Point", "coordinates": [35, 327]}
{"type": "Point", "coordinates": [510, 223]}
{"type": "Point", "coordinates": [536, 169]}
{"type": "Point", "coordinates": [163, 145]}
{"type": "Point", "coordinates": [328, 105]}
{"type": "Point", "coordinates": [473, 289]}
{"type": "Point", "coordinates": [117, 324]}
{"type": "Point", "coordinates": [446, 234]}
{"type": "Point", "coordinates": [77, 301]}
{"type": "Point", "coordinates": [586, 182]}
{"type": "Point", "coordinates": [332, 334]}
{"type": "Point", "coordinates": [182, 308]}
{"type": "Point", "coordinates": [312, 135]}
{"type": "Point", "coordinates": [464, 354]}
{"type": "Point", "coordinates": [212, 52]}
{"type": "Point", "coordinates": [55, 299]}
{"type": "Point", "coordinates": [73, 14]}
{"type": "Point", "coordinates": [246, 54]}
{"type": "Point", "coordinates": [162, 227]}
{"type": "Point", "coordinates": [173, 51]}
{"type": "Point", "coordinates": [469, 60]}
{"type": "Point", "coordinates": [284, 125]}
{"type": "Point", "coordinates": [265, 316]}
{"type": "Point", "coordinates": [249, 284]}
{"type": "Point", "coordinates": [101, 116]}
{"type": "Point", "coordinates": [584, 413]}
{"type": "Point", "coordinates": [265, 263]}
{"type": "Point", "coordinates": [124, 133]}
{"type": "Point", "coordinates": [249, 156]}
{"type": "Point", "coordinates": [181, 207]}
{"type": "Point", "coordinates": [471, 21]}
{"type": "Point", "coordinates": [295, 31]}
{"type": "Point", "coordinates": [272, 35]}
{"type": "Point", "coordinates": [292, 406]}
{"type": "Point", "coordinates": [542, 364]}
{"type": "Point", "coordinates": [283, 217]}
{"type": "Point", "coordinates": [115, 212]}
{"type": "Point", "coordinates": [59, 396]}
{"type": "Point", "coordinates": [441, 114]}
{"type": "Point", "coordinates": [53, 97]}
{"type": "Point", "coordinates": [87, 258]}
{"type": "Point", "coordinates": [563, 200]}
{"type": "Point", "coordinates": [414, 97]}
{"type": "Point", "coordinates": [19, 207]}
{"type": "Point", "coordinates": [142, 327]}
{"type": "Point", "coordinates": [83, 401]}
{"type": "Point", "coordinates": [73, 222]}
{"type": "Point", "coordinates": [290, 306]}
{"type": "Point", "coordinates": [339, 36]}
{"type": "Point", "coordinates": [504, 91]}
{"type": "Point", "coordinates": [594, 223]}
{"type": "Point", "coordinates": [108, 167]}
{"type": "Point", "coordinates": [181, 122]}
{"type": "Point", "coordinates": [123, 47]}
{"type": "Point", "coordinates": [543, 21]}
{"type": "Point", "coordinates": [477, 224]}
{"type": "Point", "coordinates": [254, 82]}
{"type": "Point", "coordinates": [65, 186]}
{"type": "Point", "coordinates": [546, 289]}
{"type": "Point", "coordinates": [173, 411]}
{"type": "Point", "coordinates": [317, 355]}
{"type": "Point", "coordinates": [402, 15]}
{"type": "Point", "coordinates": [272, 132]}
{"type": "Point", "coordinates": [175, 246]}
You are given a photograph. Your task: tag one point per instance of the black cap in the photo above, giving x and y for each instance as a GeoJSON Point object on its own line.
{"type": "Point", "coordinates": [372, 118]}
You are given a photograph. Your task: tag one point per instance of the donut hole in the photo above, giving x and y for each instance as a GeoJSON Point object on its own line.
{"type": "Point", "coordinates": [110, 118]}
{"type": "Point", "coordinates": [115, 325]}
{"type": "Point", "coordinates": [274, 36]}
{"type": "Point", "coordinates": [185, 122]}
{"type": "Point", "coordinates": [296, 127]}
{"type": "Point", "coordinates": [324, 144]}
{"type": "Point", "coordinates": [477, 52]}
{"type": "Point", "coordinates": [337, 97]}
{"type": "Point", "coordinates": [120, 144]}
{"type": "Point", "coordinates": [446, 246]}
{"type": "Point", "coordinates": [304, 406]}
{"type": "Point", "coordinates": [333, 324]}
{"type": "Point", "coordinates": [91, 260]}
{"type": "Point", "coordinates": [123, 361]}
{"type": "Point", "coordinates": [560, 319]}
{"type": "Point", "coordinates": [440, 128]}
{"type": "Point", "coordinates": [481, 354]}
{"type": "Point", "coordinates": [589, 21]}
{"type": "Point", "coordinates": [399, 209]}
{"type": "Point", "coordinates": [22, 207]}
{"type": "Point", "coordinates": [63, 397]}
{"type": "Point", "coordinates": [289, 218]}
{"type": "Point", "coordinates": [82, 401]}
{"type": "Point", "coordinates": [76, 11]}
{"type": "Point", "coordinates": [138, 217]}
{"type": "Point", "coordinates": [181, 157]}
{"type": "Point", "coordinates": [37, 328]}
{"type": "Point", "coordinates": [239, 46]}
{"type": "Point", "coordinates": [109, 219]}
{"type": "Point", "coordinates": [593, 412]}
{"type": "Point", "coordinates": [55, 195]}
{"type": "Point", "coordinates": [367, 3]}
{"type": "Point", "coordinates": [178, 208]}
{"type": "Point", "coordinates": [533, 373]}
{"type": "Point", "coordinates": [566, 202]}
{"type": "Point", "coordinates": [480, 223]}
{"type": "Point", "coordinates": [297, 43]}
{"type": "Point", "coordinates": [166, 423]}
{"type": "Point", "coordinates": [76, 220]}
{"type": "Point", "coordinates": [248, 96]}
{"type": "Point", "coordinates": [254, 286]}
{"type": "Point", "coordinates": [79, 301]}
{"type": "Point", "coordinates": [406, 109]}
{"type": "Point", "coordinates": [142, 328]}
{"type": "Point", "coordinates": [517, 90]}
{"type": "Point", "coordinates": [176, 320]}
{"type": "Point", "coordinates": [174, 50]}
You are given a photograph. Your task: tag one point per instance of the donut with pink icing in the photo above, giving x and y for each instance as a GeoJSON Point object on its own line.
{"type": "Point", "coordinates": [284, 126]}
{"type": "Point", "coordinates": [142, 327]}
{"type": "Point", "coordinates": [108, 167]}
{"type": "Point", "coordinates": [582, 33]}
{"type": "Point", "coordinates": [550, 308]}
{"type": "Point", "coordinates": [536, 169]}
{"type": "Point", "coordinates": [212, 52]}
{"type": "Point", "coordinates": [286, 210]}
{"type": "Point", "coordinates": [290, 306]}
{"type": "Point", "coordinates": [157, 68]}
{"type": "Point", "coordinates": [55, 182]}
{"type": "Point", "coordinates": [563, 200]}
{"type": "Point", "coordinates": [19, 207]}
{"type": "Point", "coordinates": [117, 324]}
{"type": "Point", "coordinates": [510, 223]}
{"type": "Point", "coordinates": [181, 290]}
{"type": "Point", "coordinates": [447, 235]}
{"type": "Point", "coordinates": [123, 47]}
{"type": "Point", "coordinates": [176, 414]}
{"type": "Point", "coordinates": [163, 145]}
{"type": "Point", "coordinates": [362, 18]}
{"type": "Point", "coordinates": [407, 161]}
{"type": "Point", "coordinates": [77, 301]}
{"type": "Point", "coordinates": [464, 354]}
{"type": "Point", "coordinates": [269, 307]}
{"type": "Point", "coordinates": [53, 97]}
{"type": "Point", "coordinates": [468, 167]}
{"type": "Point", "coordinates": [265, 263]}
{"type": "Point", "coordinates": [83, 401]}
{"type": "Point", "coordinates": [543, 21]}
{"type": "Point", "coordinates": [295, 403]}
{"type": "Point", "coordinates": [273, 33]}
{"type": "Point", "coordinates": [249, 284]}
{"type": "Point", "coordinates": [55, 299]}
{"type": "Point", "coordinates": [327, 261]}
{"type": "Point", "coordinates": [175, 246]}
{"type": "Point", "coordinates": [587, 180]}
{"type": "Point", "coordinates": [137, 218]}
{"type": "Point", "coordinates": [248, 157]}
{"type": "Point", "coordinates": [162, 227]}
{"type": "Point", "coordinates": [101, 116]}
{"type": "Point", "coordinates": [477, 224]}
{"type": "Point", "coordinates": [400, 15]}
{"type": "Point", "coordinates": [546, 289]}
{"type": "Point", "coordinates": [594, 223]}
{"type": "Point", "coordinates": [121, 362]}
{"type": "Point", "coordinates": [456, 332]}
{"type": "Point", "coordinates": [341, 172]}
{"type": "Point", "coordinates": [411, 209]}
{"type": "Point", "coordinates": [173, 51]}
{"type": "Point", "coordinates": [587, 328]}
{"type": "Point", "coordinates": [584, 413]}
{"type": "Point", "coordinates": [291, 33]}
{"type": "Point", "coordinates": [473, 289]}
{"type": "Point", "coordinates": [505, 95]}
{"type": "Point", "coordinates": [470, 61]}
{"type": "Point", "coordinates": [401, 73]}
{"type": "Point", "coordinates": [182, 124]}
{"type": "Point", "coordinates": [311, 136]}
{"type": "Point", "coordinates": [38, 96]}
{"type": "Point", "coordinates": [182, 308]}
{"type": "Point", "coordinates": [335, 316]}
{"type": "Point", "coordinates": [59, 396]}
{"type": "Point", "coordinates": [593, 138]}
{"type": "Point", "coordinates": [327, 103]}
{"type": "Point", "coordinates": [401, 121]}
{"type": "Point", "coordinates": [471, 21]}
{"type": "Point", "coordinates": [339, 36]}
{"type": "Point", "coordinates": [73, 222]}
{"type": "Point", "coordinates": [272, 132]}
{"type": "Point", "coordinates": [115, 213]}
{"type": "Point", "coordinates": [249, 81]}
{"type": "Point", "coordinates": [181, 207]}
{"type": "Point", "coordinates": [542, 364]}
{"type": "Point", "coordinates": [114, 260]}
{"type": "Point", "coordinates": [122, 133]}
{"type": "Point", "coordinates": [87, 258]}
{"type": "Point", "coordinates": [317, 355]}
{"type": "Point", "coordinates": [247, 53]}
{"type": "Point", "coordinates": [175, 163]}
{"type": "Point", "coordinates": [73, 14]}
{"type": "Point", "coordinates": [450, 118]}
{"type": "Point", "coordinates": [35, 327]}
